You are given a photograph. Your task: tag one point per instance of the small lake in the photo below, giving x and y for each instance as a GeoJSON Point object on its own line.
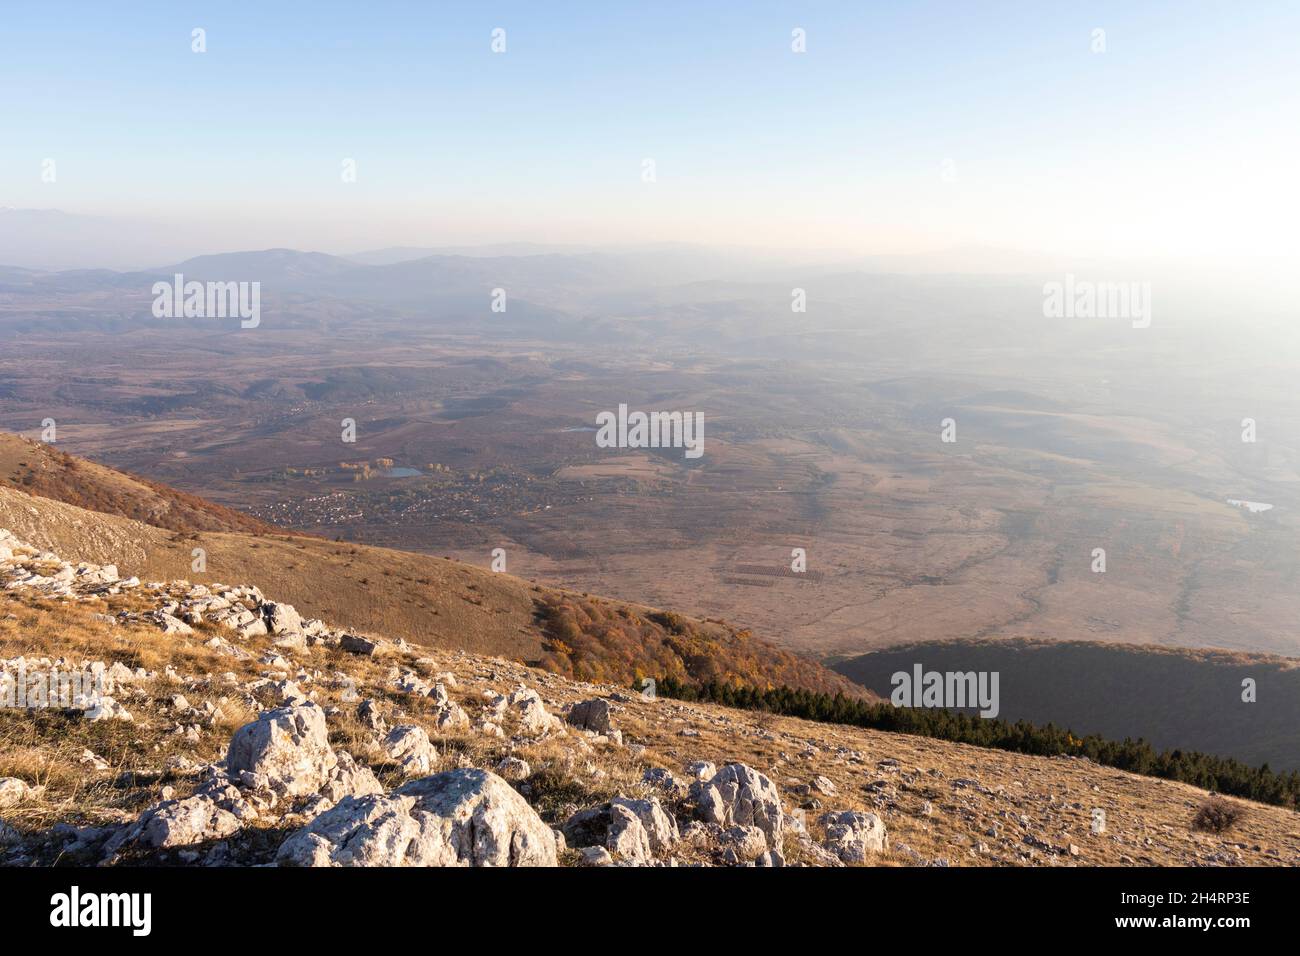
{"type": "Point", "coordinates": [1254, 507]}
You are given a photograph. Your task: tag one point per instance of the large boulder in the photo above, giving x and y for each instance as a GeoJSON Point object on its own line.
{"type": "Point", "coordinates": [456, 818]}
{"type": "Point", "coordinates": [738, 795]}
{"type": "Point", "coordinates": [356, 644]}
{"type": "Point", "coordinates": [286, 751]}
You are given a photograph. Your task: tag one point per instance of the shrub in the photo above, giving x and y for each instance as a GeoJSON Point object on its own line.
{"type": "Point", "coordinates": [1217, 815]}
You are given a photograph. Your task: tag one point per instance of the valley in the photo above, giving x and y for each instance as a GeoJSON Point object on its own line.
{"type": "Point", "coordinates": [907, 538]}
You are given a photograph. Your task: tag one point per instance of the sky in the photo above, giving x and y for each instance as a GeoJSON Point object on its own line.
{"type": "Point", "coordinates": [905, 126]}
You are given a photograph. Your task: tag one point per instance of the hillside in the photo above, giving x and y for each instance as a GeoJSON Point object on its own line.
{"type": "Point", "coordinates": [426, 600]}
{"type": "Point", "coordinates": [40, 469]}
{"type": "Point", "coordinates": [1175, 698]}
{"type": "Point", "coordinates": [238, 733]}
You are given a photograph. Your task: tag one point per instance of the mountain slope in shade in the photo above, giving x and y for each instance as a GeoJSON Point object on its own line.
{"type": "Point", "coordinates": [1174, 698]}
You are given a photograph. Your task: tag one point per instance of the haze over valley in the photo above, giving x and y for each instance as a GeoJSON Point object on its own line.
{"type": "Point", "coordinates": [823, 431]}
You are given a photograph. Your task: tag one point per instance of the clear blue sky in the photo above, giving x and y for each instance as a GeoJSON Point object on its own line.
{"type": "Point", "coordinates": [1163, 142]}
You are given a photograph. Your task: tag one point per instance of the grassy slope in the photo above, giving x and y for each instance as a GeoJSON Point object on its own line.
{"type": "Point", "coordinates": [42, 470]}
{"type": "Point", "coordinates": [1147, 819]}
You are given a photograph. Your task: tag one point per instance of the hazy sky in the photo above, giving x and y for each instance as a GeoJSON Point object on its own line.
{"type": "Point", "coordinates": [1180, 139]}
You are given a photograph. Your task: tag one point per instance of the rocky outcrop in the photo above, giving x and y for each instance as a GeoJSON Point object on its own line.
{"type": "Point", "coordinates": [456, 818]}
{"type": "Point", "coordinates": [851, 835]}
{"type": "Point", "coordinates": [738, 795]}
{"type": "Point", "coordinates": [634, 829]}
{"type": "Point", "coordinates": [281, 772]}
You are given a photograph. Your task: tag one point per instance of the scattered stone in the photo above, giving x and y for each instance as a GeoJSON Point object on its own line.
{"type": "Point", "coordinates": [88, 758]}
{"type": "Point", "coordinates": [14, 791]}
{"type": "Point", "coordinates": [824, 785]}
{"type": "Point", "coordinates": [106, 708]}
{"type": "Point", "coordinates": [593, 715]}
{"type": "Point", "coordinates": [355, 644]}
{"type": "Point", "coordinates": [596, 856]}
{"type": "Point", "coordinates": [514, 769]}
{"type": "Point", "coordinates": [410, 746]}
